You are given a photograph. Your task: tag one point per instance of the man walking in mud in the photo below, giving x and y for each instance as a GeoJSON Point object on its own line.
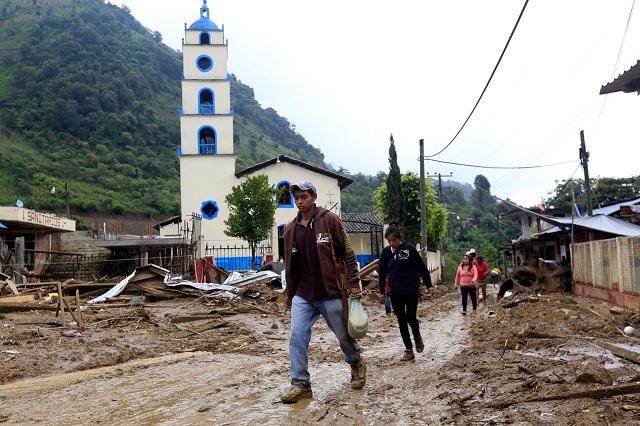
{"type": "Point", "coordinates": [321, 272]}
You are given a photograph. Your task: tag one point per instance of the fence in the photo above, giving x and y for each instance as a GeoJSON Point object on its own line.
{"type": "Point", "coordinates": [60, 266]}
{"type": "Point", "coordinates": [612, 265]}
{"type": "Point", "coordinates": [234, 258]}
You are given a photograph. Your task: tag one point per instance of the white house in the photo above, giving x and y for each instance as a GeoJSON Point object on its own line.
{"type": "Point", "coordinates": [207, 159]}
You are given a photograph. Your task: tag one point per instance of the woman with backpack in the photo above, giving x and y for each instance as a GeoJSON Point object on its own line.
{"type": "Point", "coordinates": [401, 263]}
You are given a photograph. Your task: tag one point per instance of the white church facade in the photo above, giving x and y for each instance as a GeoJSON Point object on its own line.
{"type": "Point", "coordinates": [206, 153]}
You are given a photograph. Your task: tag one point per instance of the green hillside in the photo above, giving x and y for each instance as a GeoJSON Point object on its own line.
{"type": "Point", "coordinates": [89, 97]}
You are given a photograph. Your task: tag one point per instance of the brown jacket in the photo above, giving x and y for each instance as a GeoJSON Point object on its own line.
{"type": "Point", "coordinates": [334, 251]}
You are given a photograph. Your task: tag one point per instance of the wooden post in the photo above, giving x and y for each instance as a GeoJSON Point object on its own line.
{"type": "Point", "coordinates": [19, 253]}
{"type": "Point", "coordinates": [78, 311]}
{"type": "Point", "coordinates": [61, 306]}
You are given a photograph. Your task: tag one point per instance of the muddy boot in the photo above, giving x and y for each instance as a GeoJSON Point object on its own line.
{"type": "Point", "coordinates": [358, 374]}
{"type": "Point", "coordinates": [419, 344]}
{"type": "Point", "coordinates": [408, 355]}
{"type": "Point", "coordinates": [296, 393]}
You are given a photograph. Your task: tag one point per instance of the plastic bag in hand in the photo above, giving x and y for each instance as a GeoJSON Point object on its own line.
{"type": "Point", "coordinates": [358, 320]}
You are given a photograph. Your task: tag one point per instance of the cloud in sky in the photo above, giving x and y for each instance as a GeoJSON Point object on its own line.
{"type": "Point", "coordinates": [348, 73]}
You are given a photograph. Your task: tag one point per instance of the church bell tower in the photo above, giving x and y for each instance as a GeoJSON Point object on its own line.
{"type": "Point", "coordinates": [207, 161]}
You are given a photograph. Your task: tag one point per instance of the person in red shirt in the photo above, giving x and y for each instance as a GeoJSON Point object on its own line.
{"type": "Point", "coordinates": [466, 278]}
{"type": "Point", "coordinates": [482, 268]}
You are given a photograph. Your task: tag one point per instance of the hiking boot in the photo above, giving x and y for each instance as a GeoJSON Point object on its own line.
{"type": "Point", "coordinates": [419, 344]}
{"type": "Point", "coordinates": [408, 355]}
{"type": "Point", "coordinates": [358, 374]}
{"type": "Point", "coordinates": [295, 393]}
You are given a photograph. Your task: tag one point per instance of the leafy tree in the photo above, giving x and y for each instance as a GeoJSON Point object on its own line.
{"type": "Point", "coordinates": [252, 210]}
{"type": "Point", "coordinates": [606, 190]}
{"type": "Point", "coordinates": [395, 210]}
{"type": "Point", "coordinates": [436, 213]}
{"type": "Point", "coordinates": [481, 196]}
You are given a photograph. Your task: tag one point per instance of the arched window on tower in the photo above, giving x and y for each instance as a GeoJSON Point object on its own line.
{"type": "Point", "coordinates": [207, 141]}
{"type": "Point", "coordinates": [206, 102]}
{"type": "Point", "coordinates": [284, 196]}
{"type": "Point", "coordinates": [205, 39]}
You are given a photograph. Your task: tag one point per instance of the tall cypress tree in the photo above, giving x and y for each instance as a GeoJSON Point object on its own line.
{"type": "Point", "coordinates": [396, 207]}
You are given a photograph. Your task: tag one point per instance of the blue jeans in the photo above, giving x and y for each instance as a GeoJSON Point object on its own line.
{"type": "Point", "coordinates": [304, 315]}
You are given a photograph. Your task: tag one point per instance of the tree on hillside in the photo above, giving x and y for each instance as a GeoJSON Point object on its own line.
{"type": "Point", "coordinates": [481, 196]}
{"type": "Point", "coordinates": [252, 210]}
{"type": "Point", "coordinates": [395, 209]}
{"type": "Point", "coordinates": [436, 213]}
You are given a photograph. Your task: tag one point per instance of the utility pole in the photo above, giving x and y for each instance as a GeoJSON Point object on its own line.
{"type": "Point", "coordinates": [584, 161]}
{"type": "Point", "coordinates": [423, 206]}
{"type": "Point", "coordinates": [439, 176]}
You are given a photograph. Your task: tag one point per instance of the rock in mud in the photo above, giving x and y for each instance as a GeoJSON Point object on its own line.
{"type": "Point", "coordinates": [592, 372]}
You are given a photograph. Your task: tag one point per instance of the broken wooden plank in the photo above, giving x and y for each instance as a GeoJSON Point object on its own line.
{"type": "Point", "coordinates": [189, 318]}
{"type": "Point", "coordinates": [12, 286]}
{"type": "Point", "coordinates": [24, 307]}
{"type": "Point", "coordinates": [367, 270]}
{"type": "Point", "coordinates": [627, 354]}
{"type": "Point", "coordinates": [599, 393]}
{"type": "Point", "coordinates": [17, 299]}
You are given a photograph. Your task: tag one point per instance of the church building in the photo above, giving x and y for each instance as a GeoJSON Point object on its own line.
{"type": "Point", "coordinates": [207, 159]}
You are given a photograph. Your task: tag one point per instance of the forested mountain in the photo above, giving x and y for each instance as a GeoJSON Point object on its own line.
{"type": "Point", "coordinates": [89, 97]}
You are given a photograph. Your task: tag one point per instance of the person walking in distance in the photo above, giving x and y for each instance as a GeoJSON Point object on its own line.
{"type": "Point", "coordinates": [466, 278]}
{"type": "Point", "coordinates": [482, 268]}
{"type": "Point", "coordinates": [321, 272]}
{"type": "Point", "coordinates": [402, 265]}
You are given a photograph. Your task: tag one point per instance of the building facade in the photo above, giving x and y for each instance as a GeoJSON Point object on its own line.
{"type": "Point", "coordinates": [207, 159]}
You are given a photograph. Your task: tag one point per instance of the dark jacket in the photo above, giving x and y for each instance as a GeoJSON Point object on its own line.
{"type": "Point", "coordinates": [404, 267]}
{"type": "Point", "coordinates": [334, 251]}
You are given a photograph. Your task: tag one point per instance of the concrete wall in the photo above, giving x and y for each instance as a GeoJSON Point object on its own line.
{"type": "Point", "coordinates": [221, 92]}
{"type": "Point", "coordinates": [190, 125]}
{"type": "Point", "coordinates": [217, 53]}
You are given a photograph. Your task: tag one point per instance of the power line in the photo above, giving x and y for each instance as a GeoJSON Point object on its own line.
{"type": "Point", "coordinates": [613, 73]}
{"type": "Point", "coordinates": [479, 166]}
{"type": "Point", "coordinates": [624, 36]}
{"type": "Point", "coordinates": [488, 82]}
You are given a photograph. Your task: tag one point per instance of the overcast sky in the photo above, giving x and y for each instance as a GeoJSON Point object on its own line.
{"type": "Point", "coordinates": [348, 73]}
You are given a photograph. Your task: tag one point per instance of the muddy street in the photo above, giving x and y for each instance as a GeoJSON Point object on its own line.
{"type": "Point", "coordinates": [230, 388]}
{"type": "Point", "coordinates": [486, 368]}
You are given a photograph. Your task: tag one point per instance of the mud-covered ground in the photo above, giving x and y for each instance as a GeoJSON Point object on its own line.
{"type": "Point", "coordinates": [135, 366]}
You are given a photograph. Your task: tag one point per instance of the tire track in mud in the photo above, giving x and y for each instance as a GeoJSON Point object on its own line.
{"type": "Point", "coordinates": [236, 388]}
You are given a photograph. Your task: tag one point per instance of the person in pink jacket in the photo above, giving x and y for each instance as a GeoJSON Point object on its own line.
{"type": "Point", "coordinates": [466, 279]}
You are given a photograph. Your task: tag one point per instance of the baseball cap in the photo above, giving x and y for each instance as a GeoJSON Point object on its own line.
{"type": "Point", "coordinates": [303, 185]}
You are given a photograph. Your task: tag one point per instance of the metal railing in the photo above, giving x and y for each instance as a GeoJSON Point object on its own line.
{"type": "Point", "coordinates": [234, 258]}
{"type": "Point", "coordinates": [207, 109]}
{"type": "Point", "coordinates": [207, 149]}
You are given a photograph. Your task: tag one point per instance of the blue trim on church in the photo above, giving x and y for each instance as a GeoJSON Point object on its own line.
{"type": "Point", "coordinates": [204, 23]}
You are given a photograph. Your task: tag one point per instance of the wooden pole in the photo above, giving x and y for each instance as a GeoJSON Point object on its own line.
{"type": "Point", "coordinates": [79, 311]}
{"type": "Point", "coordinates": [61, 306]}
{"type": "Point", "coordinates": [423, 206]}
{"type": "Point", "coordinates": [19, 252]}
{"type": "Point", "coordinates": [584, 160]}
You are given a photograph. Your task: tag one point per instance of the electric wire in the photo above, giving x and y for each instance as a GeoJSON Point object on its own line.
{"type": "Point", "coordinates": [615, 68]}
{"type": "Point", "coordinates": [479, 166]}
{"type": "Point", "coordinates": [488, 82]}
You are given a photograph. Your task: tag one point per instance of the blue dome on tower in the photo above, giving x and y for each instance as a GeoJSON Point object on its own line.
{"type": "Point", "coordinates": [204, 23]}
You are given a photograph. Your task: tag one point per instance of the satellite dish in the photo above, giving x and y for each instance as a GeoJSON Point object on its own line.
{"type": "Point", "coordinates": [19, 203]}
